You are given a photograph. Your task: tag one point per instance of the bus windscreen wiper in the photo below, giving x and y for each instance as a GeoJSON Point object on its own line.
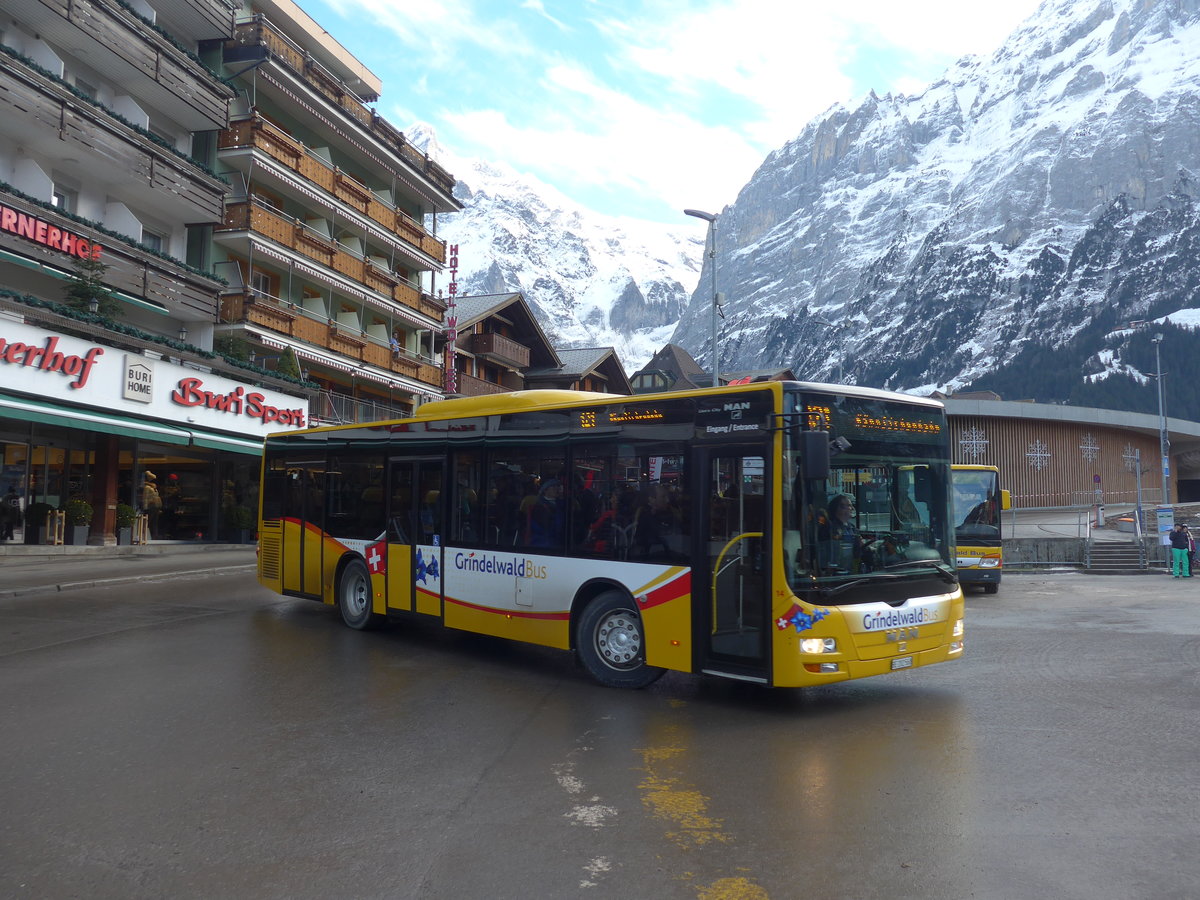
{"type": "Point", "coordinates": [944, 571]}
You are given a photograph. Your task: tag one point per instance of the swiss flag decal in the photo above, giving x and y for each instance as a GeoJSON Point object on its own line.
{"type": "Point", "coordinates": [377, 558]}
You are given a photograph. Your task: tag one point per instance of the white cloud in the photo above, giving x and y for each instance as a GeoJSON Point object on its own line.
{"type": "Point", "coordinates": [676, 100]}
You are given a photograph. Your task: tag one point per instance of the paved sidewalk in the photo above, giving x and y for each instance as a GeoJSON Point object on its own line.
{"type": "Point", "coordinates": [25, 570]}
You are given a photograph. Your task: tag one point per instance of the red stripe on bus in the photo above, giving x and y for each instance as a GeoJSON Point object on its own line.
{"type": "Point", "coordinates": [672, 590]}
{"type": "Point", "coordinates": [512, 613]}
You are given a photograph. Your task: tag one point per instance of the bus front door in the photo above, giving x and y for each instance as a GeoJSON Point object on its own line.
{"type": "Point", "coordinates": [735, 610]}
{"type": "Point", "coordinates": [415, 535]}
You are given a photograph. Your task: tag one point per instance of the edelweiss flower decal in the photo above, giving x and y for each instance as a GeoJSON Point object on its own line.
{"type": "Point", "coordinates": [802, 620]}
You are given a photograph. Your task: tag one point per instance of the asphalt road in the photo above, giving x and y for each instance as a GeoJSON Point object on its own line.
{"type": "Point", "coordinates": [204, 738]}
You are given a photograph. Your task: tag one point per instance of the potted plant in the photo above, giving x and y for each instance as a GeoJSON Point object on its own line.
{"type": "Point", "coordinates": [240, 522]}
{"type": "Point", "coordinates": [79, 520]}
{"type": "Point", "coordinates": [126, 515]}
{"type": "Point", "coordinates": [35, 522]}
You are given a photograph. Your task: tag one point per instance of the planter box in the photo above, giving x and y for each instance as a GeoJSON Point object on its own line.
{"type": "Point", "coordinates": [125, 536]}
{"type": "Point", "coordinates": [77, 535]}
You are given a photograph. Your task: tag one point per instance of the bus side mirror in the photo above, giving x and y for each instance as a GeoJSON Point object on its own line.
{"type": "Point", "coordinates": [816, 455]}
{"type": "Point", "coordinates": [1005, 500]}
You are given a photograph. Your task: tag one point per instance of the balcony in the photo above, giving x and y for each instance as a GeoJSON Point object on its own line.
{"type": "Point", "coordinates": [470, 386]}
{"type": "Point", "coordinates": [280, 317]}
{"type": "Point", "coordinates": [259, 32]}
{"type": "Point", "coordinates": [171, 286]}
{"type": "Point", "coordinates": [497, 348]}
{"type": "Point", "coordinates": [139, 56]}
{"type": "Point", "coordinates": [259, 134]}
{"type": "Point", "coordinates": [255, 217]}
{"type": "Point", "coordinates": [41, 115]}
{"type": "Point", "coordinates": [338, 409]}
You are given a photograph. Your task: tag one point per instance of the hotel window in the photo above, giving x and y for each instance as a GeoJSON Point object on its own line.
{"type": "Point", "coordinates": [153, 240]}
{"type": "Point", "coordinates": [84, 87]}
{"type": "Point", "coordinates": [64, 199]}
{"type": "Point", "coordinates": [260, 283]}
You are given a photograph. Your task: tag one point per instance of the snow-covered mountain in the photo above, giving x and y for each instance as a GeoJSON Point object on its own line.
{"type": "Point", "coordinates": [1025, 207]}
{"type": "Point", "coordinates": [591, 280]}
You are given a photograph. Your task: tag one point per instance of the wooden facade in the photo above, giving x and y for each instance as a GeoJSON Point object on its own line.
{"type": "Point", "coordinates": [1047, 462]}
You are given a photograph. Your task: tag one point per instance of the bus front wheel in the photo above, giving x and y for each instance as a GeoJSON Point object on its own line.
{"type": "Point", "coordinates": [354, 596]}
{"type": "Point", "coordinates": [612, 644]}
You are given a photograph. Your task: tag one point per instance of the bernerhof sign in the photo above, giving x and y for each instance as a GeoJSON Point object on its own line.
{"type": "Point", "coordinates": [53, 366]}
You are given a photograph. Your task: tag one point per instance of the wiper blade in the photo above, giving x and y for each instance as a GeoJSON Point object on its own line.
{"type": "Point", "coordinates": [834, 591]}
{"type": "Point", "coordinates": [944, 571]}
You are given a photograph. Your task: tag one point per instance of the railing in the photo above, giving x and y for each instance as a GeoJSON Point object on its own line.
{"type": "Point", "coordinates": [281, 146]}
{"type": "Point", "coordinates": [260, 31]}
{"type": "Point", "coordinates": [498, 347]}
{"type": "Point", "coordinates": [470, 386]}
{"type": "Point", "coordinates": [294, 321]}
{"type": "Point", "coordinates": [253, 215]}
{"type": "Point", "coordinates": [331, 408]}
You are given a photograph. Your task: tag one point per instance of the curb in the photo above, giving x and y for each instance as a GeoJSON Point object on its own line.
{"type": "Point", "coordinates": [112, 582]}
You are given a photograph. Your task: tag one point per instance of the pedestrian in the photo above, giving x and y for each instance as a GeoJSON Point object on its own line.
{"type": "Point", "coordinates": [10, 513]}
{"type": "Point", "coordinates": [150, 502]}
{"type": "Point", "coordinates": [1179, 552]}
{"type": "Point", "coordinates": [1191, 550]}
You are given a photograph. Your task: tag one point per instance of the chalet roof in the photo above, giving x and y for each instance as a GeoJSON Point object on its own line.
{"type": "Point", "coordinates": [581, 362]}
{"type": "Point", "coordinates": [471, 310]}
{"type": "Point", "coordinates": [676, 361]}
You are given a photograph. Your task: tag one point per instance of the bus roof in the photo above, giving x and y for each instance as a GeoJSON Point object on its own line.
{"type": "Point", "coordinates": [524, 401]}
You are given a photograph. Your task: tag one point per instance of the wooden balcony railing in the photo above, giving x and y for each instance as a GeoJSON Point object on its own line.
{"type": "Point", "coordinates": [281, 146]}
{"type": "Point", "coordinates": [48, 110]}
{"type": "Point", "coordinates": [275, 315]}
{"type": "Point", "coordinates": [254, 216]}
{"type": "Point", "coordinates": [497, 347]}
{"type": "Point", "coordinates": [470, 386]}
{"type": "Point", "coordinates": [260, 31]}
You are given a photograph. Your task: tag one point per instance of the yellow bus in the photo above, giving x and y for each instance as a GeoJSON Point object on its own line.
{"type": "Point", "coordinates": [688, 531]}
{"type": "Point", "coordinates": [978, 503]}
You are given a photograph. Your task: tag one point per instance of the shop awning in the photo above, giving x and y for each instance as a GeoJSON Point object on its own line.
{"type": "Point", "coordinates": [92, 420]}
{"type": "Point", "coordinates": [109, 423]}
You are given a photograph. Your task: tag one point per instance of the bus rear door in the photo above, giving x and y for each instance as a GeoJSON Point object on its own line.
{"type": "Point", "coordinates": [414, 535]}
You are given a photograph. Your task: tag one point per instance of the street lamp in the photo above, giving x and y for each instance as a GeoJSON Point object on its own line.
{"type": "Point", "coordinates": [712, 268]}
{"type": "Point", "coordinates": [1164, 443]}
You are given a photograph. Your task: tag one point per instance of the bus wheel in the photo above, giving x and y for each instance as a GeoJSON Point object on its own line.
{"type": "Point", "coordinates": [991, 588]}
{"type": "Point", "coordinates": [612, 645]}
{"type": "Point", "coordinates": [354, 596]}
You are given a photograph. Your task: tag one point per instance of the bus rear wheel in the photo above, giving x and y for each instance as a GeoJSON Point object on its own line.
{"type": "Point", "coordinates": [612, 644]}
{"type": "Point", "coordinates": [354, 596]}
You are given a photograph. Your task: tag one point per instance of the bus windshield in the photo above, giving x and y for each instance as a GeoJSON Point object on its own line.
{"type": "Point", "coordinates": [882, 511]}
{"type": "Point", "coordinates": [976, 504]}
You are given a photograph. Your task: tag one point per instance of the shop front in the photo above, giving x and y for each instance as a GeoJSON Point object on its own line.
{"type": "Point", "coordinates": [127, 432]}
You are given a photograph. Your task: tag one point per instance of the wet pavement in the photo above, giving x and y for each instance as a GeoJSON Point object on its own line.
{"type": "Point", "coordinates": [28, 569]}
{"type": "Point", "coordinates": [202, 737]}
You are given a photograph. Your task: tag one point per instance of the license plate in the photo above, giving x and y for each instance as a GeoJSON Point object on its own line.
{"type": "Point", "coordinates": [902, 662]}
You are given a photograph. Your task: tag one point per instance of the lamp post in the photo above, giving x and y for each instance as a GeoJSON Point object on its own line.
{"type": "Point", "coordinates": [1164, 443]}
{"type": "Point", "coordinates": [712, 268]}
{"type": "Point", "coordinates": [821, 320]}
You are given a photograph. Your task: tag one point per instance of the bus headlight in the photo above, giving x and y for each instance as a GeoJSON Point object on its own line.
{"type": "Point", "coordinates": [958, 628]}
{"type": "Point", "coordinates": [989, 562]}
{"type": "Point", "coordinates": [818, 645]}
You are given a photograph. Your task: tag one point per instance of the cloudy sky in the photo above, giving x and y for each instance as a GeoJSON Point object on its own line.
{"type": "Point", "coordinates": [643, 108]}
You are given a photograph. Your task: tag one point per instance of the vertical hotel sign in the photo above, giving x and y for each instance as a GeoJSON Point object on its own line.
{"type": "Point", "coordinates": [452, 320]}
